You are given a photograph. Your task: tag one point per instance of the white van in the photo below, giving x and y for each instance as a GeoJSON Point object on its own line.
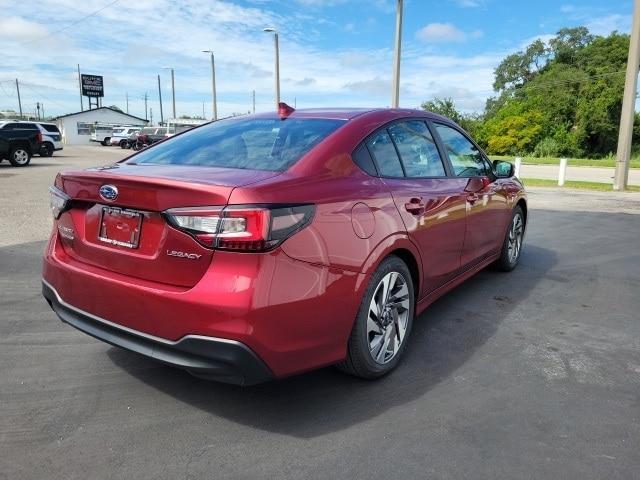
{"type": "Point", "coordinates": [102, 134]}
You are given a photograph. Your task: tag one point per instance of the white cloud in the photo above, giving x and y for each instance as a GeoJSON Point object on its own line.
{"type": "Point", "coordinates": [445, 33]}
{"type": "Point", "coordinates": [606, 24]}
{"type": "Point", "coordinates": [244, 59]}
{"type": "Point", "coordinates": [320, 3]}
{"type": "Point", "coordinates": [469, 3]}
{"type": "Point", "coordinates": [17, 28]}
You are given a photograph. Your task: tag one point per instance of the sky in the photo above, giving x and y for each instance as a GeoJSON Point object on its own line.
{"type": "Point", "coordinates": [332, 52]}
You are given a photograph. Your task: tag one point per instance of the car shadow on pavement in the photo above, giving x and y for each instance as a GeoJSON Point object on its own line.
{"type": "Point", "coordinates": [444, 337]}
{"type": "Point", "coordinates": [5, 165]}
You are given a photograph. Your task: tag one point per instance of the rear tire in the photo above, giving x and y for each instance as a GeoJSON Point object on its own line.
{"type": "Point", "coordinates": [512, 245]}
{"type": "Point", "coordinates": [19, 156]}
{"type": "Point", "coordinates": [46, 150]}
{"type": "Point", "coordinates": [106, 141]}
{"type": "Point", "coordinates": [123, 144]}
{"type": "Point", "coordinates": [383, 323]}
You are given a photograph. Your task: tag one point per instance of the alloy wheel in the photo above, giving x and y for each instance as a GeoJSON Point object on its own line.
{"type": "Point", "coordinates": [20, 156]}
{"type": "Point", "coordinates": [388, 317]}
{"type": "Point", "coordinates": [516, 232]}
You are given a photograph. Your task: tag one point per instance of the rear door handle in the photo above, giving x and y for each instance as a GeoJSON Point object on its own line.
{"type": "Point", "coordinates": [415, 206]}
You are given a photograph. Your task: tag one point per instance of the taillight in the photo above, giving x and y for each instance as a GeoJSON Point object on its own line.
{"type": "Point", "coordinates": [241, 228]}
{"type": "Point", "coordinates": [39, 137]}
{"type": "Point", "coordinates": [59, 202]}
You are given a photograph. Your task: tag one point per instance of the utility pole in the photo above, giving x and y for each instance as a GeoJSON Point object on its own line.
{"type": "Point", "coordinates": [276, 45]}
{"type": "Point", "coordinates": [38, 108]}
{"type": "Point", "coordinates": [19, 101]}
{"type": "Point", "coordinates": [146, 96]}
{"type": "Point", "coordinates": [395, 93]}
{"type": "Point", "coordinates": [127, 98]}
{"type": "Point", "coordinates": [628, 104]}
{"type": "Point", "coordinates": [173, 92]}
{"type": "Point", "coordinates": [151, 115]}
{"type": "Point", "coordinates": [213, 85]}
{"type": "Point", "coordinates": [160, 98]}
{"type": "Point", "coordinates": [203, 117]}
{"type": "Point", "coordinates": [254, 101]}
{"type": "Point", "coordinates": [80, 89]}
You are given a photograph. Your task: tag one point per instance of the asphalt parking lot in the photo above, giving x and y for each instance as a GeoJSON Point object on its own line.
{"type": "Point", "coordinates": [533, 374]}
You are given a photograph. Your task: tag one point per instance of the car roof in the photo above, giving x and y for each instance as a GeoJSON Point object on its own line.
{"type": "Point", "coordinates": [350, 113]}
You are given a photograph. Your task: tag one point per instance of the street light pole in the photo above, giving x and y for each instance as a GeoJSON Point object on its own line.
{"type": "Point", "coordinates": [80, 89]}
{"type": "Point", "coordinates": [19, 100]}
{"type": "Point", "coordinates": [628, 105]}
{"type": "Point", "coordinates": [395, 93]}
{"type": "Point", "coordinates": [160, 98]}
{"type": "Point", "coordinates": [173, 92]}
{"type": "Point", "coordinates": [173, 89]}
{"type": "Point", "coordinates": [213, 84]}
{"type": "Point", "coordinates": [277, 66]}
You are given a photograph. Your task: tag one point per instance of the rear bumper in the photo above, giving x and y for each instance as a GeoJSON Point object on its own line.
{"type": "Point", "coordinates": [213, 358]}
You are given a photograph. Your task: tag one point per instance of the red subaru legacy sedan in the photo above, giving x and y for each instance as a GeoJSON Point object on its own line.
{"type": "Point", "coordinates": [259, 247]}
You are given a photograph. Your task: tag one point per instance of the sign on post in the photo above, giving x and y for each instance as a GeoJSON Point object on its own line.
{"type": "Point", "coordinates": [92, 85]}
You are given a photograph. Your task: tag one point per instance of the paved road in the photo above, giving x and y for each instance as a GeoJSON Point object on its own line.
{"type": "Point", "coordinates": [586, 174]}
{"type": "Point", "coordinates": [533, 374]}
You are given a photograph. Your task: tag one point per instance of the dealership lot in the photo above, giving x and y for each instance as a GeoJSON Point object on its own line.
{"type": "Point", "coordinates": [533, 374]}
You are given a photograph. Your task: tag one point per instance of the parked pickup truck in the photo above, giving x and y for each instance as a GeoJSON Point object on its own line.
{"type": "Point", "coordinates": [18, 143]}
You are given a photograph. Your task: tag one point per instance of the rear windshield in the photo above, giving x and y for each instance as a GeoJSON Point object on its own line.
{"type": "Point", "coordinates": [50, 128]}
{"type": "Point", "coordinates": [257, 144]}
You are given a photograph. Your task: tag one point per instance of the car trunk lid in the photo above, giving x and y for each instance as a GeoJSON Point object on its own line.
{"type": "Point", "coordinates": [128, 234]}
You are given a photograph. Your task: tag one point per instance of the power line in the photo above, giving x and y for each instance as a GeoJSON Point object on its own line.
{"type": "Point", "coordinates": [42, 95]}
{"type": "Point", "coordinates": [566, 82]}
{"type": "Point", "coordinates": [69, 25]}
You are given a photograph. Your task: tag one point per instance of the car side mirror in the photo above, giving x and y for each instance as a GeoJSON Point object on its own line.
{"type": "Point", "coordinates": [502, 169]}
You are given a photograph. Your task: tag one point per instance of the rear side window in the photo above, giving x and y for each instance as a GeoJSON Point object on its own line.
{"type": "Point", "coordinates": [50, 128]}
{"type": "Point", "coordinates": [417, 149]}
{"type": "Point", "coordinates": [385, 155]}
{"type": "Point", "coordinates": [362, 158]}
{"type": "Point", "coordinates": [259, 144]}
{"type": "Point", "coordinates": [21, 126]}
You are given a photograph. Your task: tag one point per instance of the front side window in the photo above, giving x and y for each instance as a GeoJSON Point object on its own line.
{"type": "Point", "coordinates": [417, 149]}
{"type": "Point", "coordinates": [466, 159]}
{"type": "Point", "coordinates": [259, 144]}
{"type": "Point", "coordinates": [381, 147]}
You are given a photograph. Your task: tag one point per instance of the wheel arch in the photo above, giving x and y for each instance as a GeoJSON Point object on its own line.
{"type": "Point", "coordinates": [21, 144]}
{"type": "Point", "coordinates": [412, 263]}
{"type": "Point", "coordinates": [522, 203]}
{"type": "Point", "coordinates": [402, 247]}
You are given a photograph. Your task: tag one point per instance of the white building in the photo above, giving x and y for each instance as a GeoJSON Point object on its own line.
{"type": "Point", "coordinates": [76, 127]}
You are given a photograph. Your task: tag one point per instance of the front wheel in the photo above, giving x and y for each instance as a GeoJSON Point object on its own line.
{"type": "Point", "coordinates": [383, 323]}
{"type": "Point", "coordinates": [106, 142]}
{"type": "Point", "coordinates": [20, 157]}
{"type": "Point", "coordinates": [512, 245]}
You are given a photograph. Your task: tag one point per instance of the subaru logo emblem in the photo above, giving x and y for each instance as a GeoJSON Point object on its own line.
{"type": "Point", "coordinates": [108, 192]}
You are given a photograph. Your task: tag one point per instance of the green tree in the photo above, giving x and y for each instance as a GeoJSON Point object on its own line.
{"type": "Point", "coordinates": [447, 108]}
{"type": "Point", "coordinates": [444, 107]}
{"type": "Point", "coordinates": [567, 42]}
{"type": "Point", "coordinates": [515, 129]}
{"type": "Point", "coordinates": [518, 68]}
